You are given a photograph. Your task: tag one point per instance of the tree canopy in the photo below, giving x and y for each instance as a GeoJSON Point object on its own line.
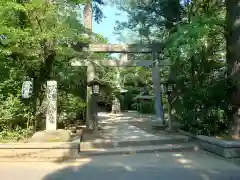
{"type": "Point", "coordinates": [195, 36]}
{"type": "Point", "coordinates": [37, 40]}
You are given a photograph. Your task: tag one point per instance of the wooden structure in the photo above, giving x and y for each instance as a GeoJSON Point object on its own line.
{"type": "Point", "coordinates": [140, 99]}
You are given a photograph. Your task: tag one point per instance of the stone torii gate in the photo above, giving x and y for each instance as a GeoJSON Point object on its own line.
{"type": "Point", "coordinates": [123, 62]}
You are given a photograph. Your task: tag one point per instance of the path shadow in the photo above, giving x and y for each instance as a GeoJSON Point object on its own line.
{"type": "Point", "coordinates": [160, 166]}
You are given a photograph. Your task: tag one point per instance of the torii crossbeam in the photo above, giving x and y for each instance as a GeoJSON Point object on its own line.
{"type": "Point", "coordinates": [124, 49]}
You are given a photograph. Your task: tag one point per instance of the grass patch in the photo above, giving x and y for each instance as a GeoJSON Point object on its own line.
{"type": "Point", "coordinates": [14, 136]}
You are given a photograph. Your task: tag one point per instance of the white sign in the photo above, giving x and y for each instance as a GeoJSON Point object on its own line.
{"type": "Point", "coordinates": [27, 89]}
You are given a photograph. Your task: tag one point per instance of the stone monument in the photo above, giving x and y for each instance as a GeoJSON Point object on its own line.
{"type": "Point", "coordinates": [51, 114]}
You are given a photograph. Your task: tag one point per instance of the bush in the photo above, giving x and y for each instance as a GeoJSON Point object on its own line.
{"type": "Point", "coordinates": [128, 98]}
{"type": "Point", "coordinates": [105, 102]}
{"type": "Point", "coordinates": [203, 110]}
{"type": "Point", "coordinates": [147, 107]}
{"type": "Point", "coordinates": [14, 113]}
{"type": "Point", "coordinates": [14, 135]}
{"type": "Point", "coordinates": [69, 107]}
{"type": "Point", "coordinates": [134, 106]}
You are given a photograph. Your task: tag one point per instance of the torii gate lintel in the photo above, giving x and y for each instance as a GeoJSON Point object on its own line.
{"type": "Point", "coordinates": [153, 48]}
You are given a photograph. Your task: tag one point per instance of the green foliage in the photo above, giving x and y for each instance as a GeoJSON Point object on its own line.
{"type": "Point", "coordinates": [14, 113]}
{"type": "Point", "coordinates": [14, 135]}
{"type": "Point", "coordinates": [129, 96]}
{"type": "Point", "coordinates": [69, 105]}
{"type": "Point", "coordinates": [10, 109]}
{"type": "Point", "coordinates": [37, 39]}
{"type": "Point", "coordinates": [147, 107]}
{"type": "Point", "coordinates": [198, 52]}
{"type": "Point", "coordinates": [148, 19]}
{"type": "Point", "coordinates": [194, 33]}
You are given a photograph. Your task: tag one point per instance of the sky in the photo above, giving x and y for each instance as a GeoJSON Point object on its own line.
{"type": "Point", "coordinates": [106, 27]}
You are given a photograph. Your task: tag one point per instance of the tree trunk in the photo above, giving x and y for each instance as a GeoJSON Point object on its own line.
{"type": "Point", "coordinates": [233, 60]}
{"type": "Point", "coordinates": [39, 82]}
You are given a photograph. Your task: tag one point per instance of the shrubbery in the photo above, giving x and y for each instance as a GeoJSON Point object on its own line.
{"type": "Point", "coordinates": [147, 107]}
{"type": "Point", "coordinates": [71, 107]}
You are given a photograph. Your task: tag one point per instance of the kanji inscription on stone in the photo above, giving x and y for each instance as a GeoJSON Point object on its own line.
{"type": "Point", "coordinates": [51, 115]}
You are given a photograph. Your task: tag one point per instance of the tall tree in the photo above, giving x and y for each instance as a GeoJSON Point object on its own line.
{"type": "Point", "coordinates": [194, 31]}
{"type": "Point", "coordinates": [36, 40]}
{"type": "Point", "coordinates": [233, 60]}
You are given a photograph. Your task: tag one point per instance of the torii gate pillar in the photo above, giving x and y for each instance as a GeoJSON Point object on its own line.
{"type": "Point", "coordinates": [91, 71]}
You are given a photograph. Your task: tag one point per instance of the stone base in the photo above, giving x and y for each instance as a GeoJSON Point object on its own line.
{"type": "Point", "coordinates": [187, 134]}
{"type": "Point", "coordinates": [227, 149]}
{"type": "Point", "coordinates": [59, 135]}
{"type": "Point", "coordinates": [170, 130]}
{"type": "Point", "coordinates": [41, 150]}
{"type": "Point", "coordinates": [158, 125]}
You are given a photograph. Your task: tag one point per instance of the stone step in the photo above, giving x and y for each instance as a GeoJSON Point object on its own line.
{"type": "Point", "coordinates": [126, 143]}
{"type": "Point", "coordinates": [62, 150]}
{"type": "Point", "coordinates": [140, 149]}
{"type": "Point", "coordinates": [61, 155]}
